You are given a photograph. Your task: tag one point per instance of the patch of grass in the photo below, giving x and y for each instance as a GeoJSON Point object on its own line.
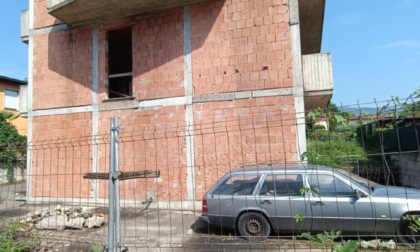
{"type": "Point", "coordinates": [97, 248]}
{"type": "Point", "coordinates": [328, 239]}
{"type": "Point", "coordinates": [15, 237]}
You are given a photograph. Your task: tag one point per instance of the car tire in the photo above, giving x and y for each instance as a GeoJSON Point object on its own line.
{"type": "Point", "coordinates": [406, 236]}
{"type": "Point", "coordinates": [253, 226]}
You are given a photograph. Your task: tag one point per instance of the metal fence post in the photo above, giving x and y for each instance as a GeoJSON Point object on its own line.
{"type": "Point", "coordinates": [111, 191]}
{"type": "Point", "coordinates": [114, 205]}
{"type": "Point", "coordinates": [117, 185]}
{"type": "Point", "coordinates": [114, 176]}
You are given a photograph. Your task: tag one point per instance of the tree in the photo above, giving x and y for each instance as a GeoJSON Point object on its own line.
{"type": "Point", "coordinates": [12, 145]}
{"type": "Point", "coordinates": [332, 107]}
{"type": "Point", "coordinates": [410, 107]}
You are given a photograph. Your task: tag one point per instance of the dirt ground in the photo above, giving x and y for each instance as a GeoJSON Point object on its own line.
{"type": "Point", "coordinates": [144, 230]}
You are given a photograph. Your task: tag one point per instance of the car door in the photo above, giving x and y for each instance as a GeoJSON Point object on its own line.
{"type": "Point", "coordinates": [281, 200]}
{"type": "Point", "coordinates": [335, 205]}
{"type": "Point", "coordinates": [232, 195]}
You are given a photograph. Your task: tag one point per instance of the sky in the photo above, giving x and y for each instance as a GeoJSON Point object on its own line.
{"type": "Point", "coordinates": [375, 45]}
{"type": "Point", "coordinates": [13, 52]}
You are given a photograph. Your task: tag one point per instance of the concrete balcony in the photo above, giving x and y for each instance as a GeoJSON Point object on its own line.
{"type": "Point", "coordinates": [77, 12]}
{"type": "Point", "coordinates": [317, 80]}
{"type": "Point", "coordinates": [24, 26]}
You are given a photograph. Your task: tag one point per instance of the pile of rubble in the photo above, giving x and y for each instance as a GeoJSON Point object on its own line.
{"type": "Point", "coordinates": [379, 244]}
{"type": "Point", "coordinates": [64, 218]}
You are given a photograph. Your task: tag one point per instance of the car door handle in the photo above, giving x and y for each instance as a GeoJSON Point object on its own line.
{"type": "Point", "coordinates": [318, 203]}
{"type": "Point", "coordinates": [266, 202]}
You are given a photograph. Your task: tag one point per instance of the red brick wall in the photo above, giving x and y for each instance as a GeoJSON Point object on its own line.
{"type": "Point", "coordinates": [61, 154]}
{"type": "Point", "coordinates": [41, 16]}
{"type": "Point", "coordinates": [232, 134]}
{"type": "Point", "coordinates": [158, 60]}
{"type": "Point", "coordinates": [152, 139]}
{"type": "Point", "coordinates": [62, 72]}
{"type": "Point", "coordinates": [237, 45]}
{"type": "Point", "coordinates": [240, 45]}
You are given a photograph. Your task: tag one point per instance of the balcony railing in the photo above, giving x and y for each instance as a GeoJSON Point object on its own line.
{"type": "Point", "coordinates": [75, 12]}
{"type": "Point", "coordinates": [24, 26]}
{"type": "Point", "coordinates": [317, 79]}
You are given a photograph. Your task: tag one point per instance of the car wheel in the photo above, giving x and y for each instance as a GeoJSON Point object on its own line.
{"type": "Point", "coordinates": [253, 226]}
{"type": "Point", "coordinates": [406, 236]}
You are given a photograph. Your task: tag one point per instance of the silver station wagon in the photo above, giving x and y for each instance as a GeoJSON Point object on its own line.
{"type": "Point", "coordinates": [296, 198]}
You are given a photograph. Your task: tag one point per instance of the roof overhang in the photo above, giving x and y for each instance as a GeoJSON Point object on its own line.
{"type": "Point", "coordinates": [20, 82]}
{"type": "Point", "coordinates": [77, 12]}
{"type": "Point", "coordinates": [311, 16]}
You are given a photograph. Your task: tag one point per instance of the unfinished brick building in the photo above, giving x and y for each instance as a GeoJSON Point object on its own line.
{"type": "Point", "coordinates": [200, 87]}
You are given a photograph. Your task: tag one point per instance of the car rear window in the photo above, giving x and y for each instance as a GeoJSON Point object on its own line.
{"type": "Point", "coordinates": [238, 185]}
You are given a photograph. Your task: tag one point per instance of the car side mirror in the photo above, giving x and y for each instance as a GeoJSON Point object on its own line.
{"type": "Point", "coordinates": [357, 194]}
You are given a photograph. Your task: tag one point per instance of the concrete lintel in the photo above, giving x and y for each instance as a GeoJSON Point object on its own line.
{"type": "Point", "coordinates": [213, 97]}
{"type": "Point", "coordinates": [62, 111]}
{"type": "Point", "coordinates": [272, 92]}
{"type": "Point", "coordinates": [113, 105]}
{"type": "Point", "coordinates": [243, 95]}
{"type": "Point", "coordinates": [173, 101]}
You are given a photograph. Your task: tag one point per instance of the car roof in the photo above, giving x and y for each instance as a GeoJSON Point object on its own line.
{"type": "Point", "coordinates": [278, 168]}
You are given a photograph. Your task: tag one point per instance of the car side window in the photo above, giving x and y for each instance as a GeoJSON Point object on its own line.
{"type": "Point", "coordinates": [238, 185]}
{"type": "Point", "coordinates": [328, 185]}
{"type": "Point", "coordinates": [282, 185]}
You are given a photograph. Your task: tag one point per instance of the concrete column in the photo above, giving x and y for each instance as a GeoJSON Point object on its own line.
{"type": "Point", "coordinates": [298, 88]}
{"type": "Point", "coordinates": [95, 108]}
{"type": "Point", "coordinates": [189, 110]}
{"type": "Point", "coordinates": [30, 100]}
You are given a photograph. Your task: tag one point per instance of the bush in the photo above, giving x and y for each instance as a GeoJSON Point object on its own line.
{"type": "Point", "coordinates": [12, 145]}
{"type": "Point", "coordinates": [334, 153]}
{"type": "Point", "coordinates": [335, 147]}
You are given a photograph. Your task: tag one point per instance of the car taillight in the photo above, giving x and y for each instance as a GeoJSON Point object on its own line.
{"type": "Point", "coordinates": [204, 207]}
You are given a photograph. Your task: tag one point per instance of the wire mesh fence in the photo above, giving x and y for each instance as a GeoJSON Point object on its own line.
{"type": "Point", "coordinates": [67, 210]}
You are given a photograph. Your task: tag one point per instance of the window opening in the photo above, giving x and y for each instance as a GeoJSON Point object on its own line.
{"type": "Point", "coordinates": [120, 63]}
{"type": "Point", "coordinates": [11, 99]}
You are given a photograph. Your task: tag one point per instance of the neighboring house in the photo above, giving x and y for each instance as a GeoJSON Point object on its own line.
{"type": "Point", "coordinates": [383, 121]}
{"type": "Point", "coordinates": [407, 121]}
{"type": "Point", "coordinates": [10, 100]}
{"type": "Point", "coordinates": [204, 87]}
